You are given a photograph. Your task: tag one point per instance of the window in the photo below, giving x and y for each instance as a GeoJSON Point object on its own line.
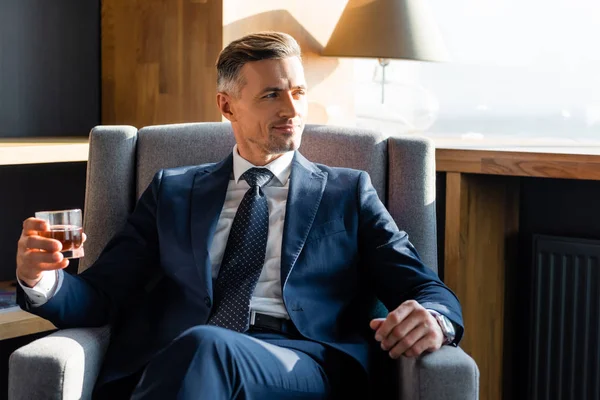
{"type": "Point", "coordinates": [520, 69]}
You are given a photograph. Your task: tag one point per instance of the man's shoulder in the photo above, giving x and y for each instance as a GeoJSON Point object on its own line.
{"type": "Point", "coordinates": [183, 175]}
{"type": "Point", "coordinates": [338, 172]}
{"type": "Point", "coordinates": [185, 170]}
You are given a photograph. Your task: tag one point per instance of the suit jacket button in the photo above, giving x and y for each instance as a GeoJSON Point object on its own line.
{"type": "Point", "coordinates": [207, 301]}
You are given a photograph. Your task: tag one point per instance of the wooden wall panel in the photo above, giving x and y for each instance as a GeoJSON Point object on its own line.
{"type": "Point", "coordinates": [158, 60]}
{"type": "Point", "coordinates": [482, 222]}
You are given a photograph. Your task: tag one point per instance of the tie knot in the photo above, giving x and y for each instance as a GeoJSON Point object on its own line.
{"type": "Point", "coordinates": [257, 176]}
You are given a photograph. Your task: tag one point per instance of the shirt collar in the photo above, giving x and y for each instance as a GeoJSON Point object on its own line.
{"type": "Point", "coordinates": [280, 167]}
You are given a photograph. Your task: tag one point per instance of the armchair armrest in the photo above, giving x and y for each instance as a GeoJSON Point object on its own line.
{"type": "Point", "coordinates": [448, 373]}
{"type": "Point", "coordinates": [63, 365]}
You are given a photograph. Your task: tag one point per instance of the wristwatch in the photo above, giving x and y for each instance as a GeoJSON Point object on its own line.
{"type": "Point", "coordinates": [446, 325]}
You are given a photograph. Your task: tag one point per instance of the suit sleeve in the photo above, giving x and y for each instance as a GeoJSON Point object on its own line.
{"type": "Point", "coordinates": [393, 265]}
{"type": "Point", "coordinates": [130, 259]}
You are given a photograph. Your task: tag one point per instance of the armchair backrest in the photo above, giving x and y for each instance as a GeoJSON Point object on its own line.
{"type": "Point", "coordinates": [123, 161]}
{"type": "Point", "coordinates": [411, 193]}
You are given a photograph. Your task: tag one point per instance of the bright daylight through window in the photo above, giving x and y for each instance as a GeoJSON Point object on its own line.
{"type": "Point", "coordinates": [522, 71]}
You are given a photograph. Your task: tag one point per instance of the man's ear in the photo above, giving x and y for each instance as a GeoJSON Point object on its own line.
{"type": "Point", "coordinates": [225, 106]}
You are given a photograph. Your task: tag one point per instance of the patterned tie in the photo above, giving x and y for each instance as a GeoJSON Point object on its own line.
{"type": "Point", "coordinates": [244, 255]}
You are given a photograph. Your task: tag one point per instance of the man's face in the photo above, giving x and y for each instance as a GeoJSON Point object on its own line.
{"type": "Point", "coordinates": [268, 115]}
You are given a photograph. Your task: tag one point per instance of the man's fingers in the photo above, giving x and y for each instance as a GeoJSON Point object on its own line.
{"type": "Point", "coordinates": [376, 323]}
{"type": "Point", "coordinates": [35, 257]}
{"type": "Point", "coordinates": [54, 266]}
{"type": "Point", "coordinates": [64, 263]}
{"type": "Point", "coordinates": [36, 253]}
{"type": "Point", "coordinates": [428, 343]}
{"type": "Point", "coordinates": [394, 318]}
{"type": "Point", "coordinates": [42, 243]}
{"type": "Point", "coordinates": [84, 236]}
{"type": "Point", "coordinates": [32, 276]}
{"type": "Point", "coordinates": [413, 320]}
{"type": "Point", "coordinates": [31, 225]}
{"type": "Point", "coordinates": [411, 340]}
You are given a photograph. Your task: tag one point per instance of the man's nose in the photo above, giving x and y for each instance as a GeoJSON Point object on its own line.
{"type": "Point", "coordinates": [289, 106]}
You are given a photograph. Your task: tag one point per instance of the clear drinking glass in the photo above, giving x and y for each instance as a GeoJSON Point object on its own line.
{"type": "Point", "coordinates": [65, 226]}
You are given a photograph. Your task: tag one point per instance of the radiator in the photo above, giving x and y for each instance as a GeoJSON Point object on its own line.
{"type": "Point", "coordinates": [565, 331]}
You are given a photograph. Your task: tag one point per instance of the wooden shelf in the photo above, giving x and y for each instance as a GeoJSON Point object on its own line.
{"type": "Point", "coordinates": [19, 151]}
{"type": "Point", "coordinates": [16, 322]}
{"type": "Point", "coordinates": [519, 163]}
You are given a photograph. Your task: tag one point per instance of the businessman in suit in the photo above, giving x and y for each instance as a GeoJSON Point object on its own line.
{"type": "Point", "coordinates": [247, 278]}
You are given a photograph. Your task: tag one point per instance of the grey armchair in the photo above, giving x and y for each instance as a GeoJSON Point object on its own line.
{"type": "Point", "coordinates": [122, 161]}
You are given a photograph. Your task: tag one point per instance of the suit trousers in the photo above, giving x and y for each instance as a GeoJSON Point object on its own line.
{"type": "Point", "coordinates": [208, 362]}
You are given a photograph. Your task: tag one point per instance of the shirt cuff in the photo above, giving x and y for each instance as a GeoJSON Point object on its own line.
{"type": "Point", "coordinates": [45, 289]}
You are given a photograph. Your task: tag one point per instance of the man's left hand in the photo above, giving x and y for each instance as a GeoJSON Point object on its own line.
{"type": "Point", "coordinates": [410, 330]}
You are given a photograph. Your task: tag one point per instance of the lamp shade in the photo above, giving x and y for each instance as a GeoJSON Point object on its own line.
{"type": "Point", "coordinates": [403, 29]}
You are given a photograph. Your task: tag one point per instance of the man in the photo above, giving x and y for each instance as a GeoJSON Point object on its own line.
{"type": "Point", "coordinates": [247, 278]}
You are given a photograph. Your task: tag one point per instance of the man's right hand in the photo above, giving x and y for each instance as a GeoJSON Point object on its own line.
{"type": "Point", "coordinates": [36, 254]}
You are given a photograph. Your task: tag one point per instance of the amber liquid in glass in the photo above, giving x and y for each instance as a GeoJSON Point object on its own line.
{"type": "Point", "coordinates": [69, 235]}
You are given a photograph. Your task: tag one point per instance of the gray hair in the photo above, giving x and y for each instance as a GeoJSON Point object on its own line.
{"type": "Point", "coordinates": [254, 47]}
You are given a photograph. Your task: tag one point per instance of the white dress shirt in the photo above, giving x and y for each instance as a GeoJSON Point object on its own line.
{"type": "Point", "coordinates": [267, 297]}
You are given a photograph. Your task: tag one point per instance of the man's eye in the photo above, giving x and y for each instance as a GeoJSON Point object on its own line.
{"type": "Point", "coordinates": [299, 93]}
{"type": "Point", "coordinates": [271, 95]}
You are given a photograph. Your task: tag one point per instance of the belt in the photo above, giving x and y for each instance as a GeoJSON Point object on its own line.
{"type": "Point", "coordinates": [264, 321]}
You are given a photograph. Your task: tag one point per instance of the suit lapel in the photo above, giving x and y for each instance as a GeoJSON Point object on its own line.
{"type": "Point", "coordinates": [307, 184]}
{"type": "Point", "coordinates": [208, 196]}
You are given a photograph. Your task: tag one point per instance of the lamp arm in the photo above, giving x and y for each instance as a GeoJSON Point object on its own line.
{"type": "Point", "coordinates": [384, 62]}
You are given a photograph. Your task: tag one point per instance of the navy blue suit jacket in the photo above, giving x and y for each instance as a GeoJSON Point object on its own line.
{"type": "Point", "coordinates": [341, 249]}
